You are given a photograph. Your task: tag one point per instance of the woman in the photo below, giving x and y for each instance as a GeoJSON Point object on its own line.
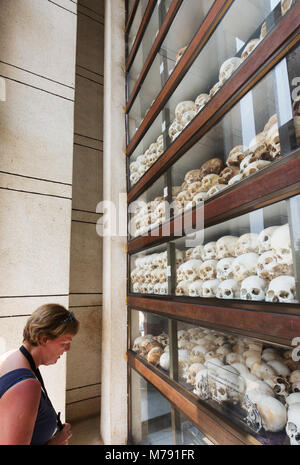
{"type": "Point", "coordinates": [26, 413]}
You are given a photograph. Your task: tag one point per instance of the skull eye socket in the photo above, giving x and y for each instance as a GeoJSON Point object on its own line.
{"type": "Point", "coordinates": [255, 291]}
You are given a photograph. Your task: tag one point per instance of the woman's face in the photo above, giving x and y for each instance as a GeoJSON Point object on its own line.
{"type": "Point", "coordinates": [53, 349]}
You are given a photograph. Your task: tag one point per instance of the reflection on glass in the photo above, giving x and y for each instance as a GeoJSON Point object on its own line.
{"type": "Point", "coordinates": [251, 382]}
{"type": "Point", "coordinates": [152, 422]}
{"type": "Point", "coordinates": [149, 272]}
{"type": "Point", "coordinates": [248, 258]}
{"type": "Point", "coordinates": [172, 49]}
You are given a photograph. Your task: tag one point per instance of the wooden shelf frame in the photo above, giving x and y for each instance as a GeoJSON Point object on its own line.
{"type": "Point", "coordinates": [217, 429]}
{"type": "Point", "coordinates": [285, 36]}
{"type": "Point", "coordinates": [277, 323]}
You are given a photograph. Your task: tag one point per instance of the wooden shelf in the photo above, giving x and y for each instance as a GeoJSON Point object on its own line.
{"type": "Point", "coordinates": [209, 422]}
{"type": "Point", "coordinates": [257, 65]}
{"type": "Point", "coordinates": [271, 322]}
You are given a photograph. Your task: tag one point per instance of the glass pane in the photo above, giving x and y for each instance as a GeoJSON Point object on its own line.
{"type": "Point", "coordinates": [188, 434]}
{"type": "Point", "coordinates": [150, 414]}
{"type": "Point", "coordinates": [173, 47]}
{"type": "Point", "coordinates": [136, 23]}
{"type": "Point", "coordinates": [244, 379]}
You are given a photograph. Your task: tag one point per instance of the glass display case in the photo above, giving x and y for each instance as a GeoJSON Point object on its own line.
{"type": "Point", "coordinates": [138, 16]}
{"type": "Point", "coordinates": [169, 55]}
{"type": "Point", "coordinates": [250, 133]}
{"type": "Point", "coordinates": [213, 180]}
{"type": "Point", "coordinates": [154, 424]}
{"type": "Point", "coordinates": [250, 381]}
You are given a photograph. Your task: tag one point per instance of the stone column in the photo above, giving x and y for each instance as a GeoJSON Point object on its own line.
{"type": "Point", "coordinates": [114, 316]}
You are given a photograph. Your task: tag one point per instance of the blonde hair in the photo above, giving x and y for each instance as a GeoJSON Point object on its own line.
{"type": "Point", "coordinates": [50, 321]}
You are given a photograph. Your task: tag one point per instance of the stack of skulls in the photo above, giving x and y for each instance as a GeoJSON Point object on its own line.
{"type": "Point", "coordinates": [232, 369]}
{"type": "Point", "coordinates": [143, 162]}
{"type": "Point", "coordinates": [256, 267]}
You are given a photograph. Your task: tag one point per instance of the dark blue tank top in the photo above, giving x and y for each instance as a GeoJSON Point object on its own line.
{"type": "Point", "coordinates": [45, 424]}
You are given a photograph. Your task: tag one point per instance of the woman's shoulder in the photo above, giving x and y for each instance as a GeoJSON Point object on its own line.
{"type": "Point", "coordinates": [12, 360]}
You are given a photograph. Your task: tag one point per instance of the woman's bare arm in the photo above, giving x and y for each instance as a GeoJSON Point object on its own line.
{"type": "Point", "coordinates": [18, 410]}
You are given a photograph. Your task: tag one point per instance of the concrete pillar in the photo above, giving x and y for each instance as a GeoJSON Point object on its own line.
{"type": "Point", "coordinates": [114, 313]}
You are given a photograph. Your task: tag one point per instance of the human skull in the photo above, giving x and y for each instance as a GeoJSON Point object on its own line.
{"type": "Point", "coordinates": [273, 140]}
{"type": "Point", "coordinates": [134, 177]}
{"type": "Point", "coordinates": [281, 244]}
{"type": "Point", "coordinates": [233, 357]}
{"type": "Point", "coordinates": [193, 176]}
{"type": "Point", "coordinates": [164, 360]}
{"type": "Point", "coordinates": [236, 156]}
{"type": "Point", "coordinates": [243, 266]}
{"type": "Point", "coordinates": [201, 101]}
{"type": "Point", "coordinates": [227, 386]}
{"type": "Point", "coordinates": [216, 189]}
{"type": "Point", "coordinates": [247, 243]}
{"type": "Point", "coordinates": [200, 197]}
{"type": "Point", "coordinates": [228, 68]}
{"type": "Point", "coordinates": [296, 387]}
{"type": "Point", "coordinates": [285, 6]}
{"type": "Point", "coordinates": [252, 44]}
{"type": "Point", "coordinates": [228, 173]}
{"type": "Point", "coordinates": [183, 287]}
{"type": "Point", "coordinates": [253, 288]}
{"type": "Point", "coordinates": [223, 268]}
{"type": "Point", "coordinates": [208, 270]}
{"type": "Point", "coordinates": [182, 108]}
{"type": "Point", "coordinates": [209, 181]}
{"type": "Point", "coordinates": [279, 384]}
{"type": "Point", "coordinates": [268, 266]}
{"type": "Point", "coordinates": [272, 412]}
{"type": "Point", "coordinates": [192, 372]}
{"type": "Point", "coordinates": [235, 179]}
{"type": "Point", "coordinates": [195, 289]}
{"type": "Point", "coordinates": [254, 167]}
{"type": "Point", "coordinates": [293, 424]}
{"type": "Point", "coordinates": [197, 252]}
{"type": "Point", "coordinates": [270, 354]}
{"type": "Point", "coordinates": [282, 289]}
{"type": "Point", "coordinates": [226, 247]}
{"type": "Point", "coordinates": [189, 270]}
{"type": "Point", "coordinates": [194, 188]}
{"type": "Point", "coordinates": [279, 367]}
{"type": "Point", "coordinates": [264, 239]}
{"type": "Point", "coordinates": [175, 129]}
{"type": "Point", "coordinates": [209, 251]}
{"type": "Point", "coordinates": [209, 288]}
{"type": "Point", "coordinates": [228, 289]}
{"type": "Point", "coordinates": [262, 370]}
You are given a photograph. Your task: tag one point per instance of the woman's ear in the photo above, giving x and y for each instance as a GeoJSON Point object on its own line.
{"type": "Point", "coordinates": [43, 340]}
